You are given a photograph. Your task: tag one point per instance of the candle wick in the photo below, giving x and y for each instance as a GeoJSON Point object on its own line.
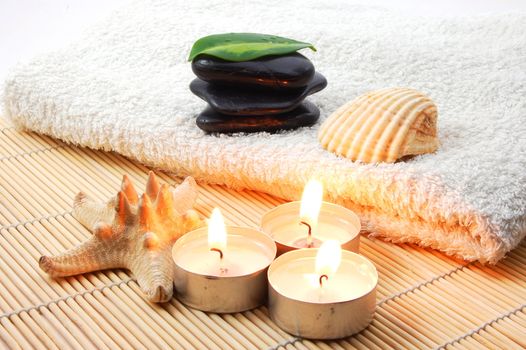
{"type": "Point", "coordinates": [309, 233]}
{"type": "Point", "coordinates": [217, 250]}
{"type": "Point", "coordinates": [323, 277]}
{"type": "Point", "coordinates": [309, 226]}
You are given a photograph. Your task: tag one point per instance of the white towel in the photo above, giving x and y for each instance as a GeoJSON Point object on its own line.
{"type": "Point", "coordinates": [124, 87]}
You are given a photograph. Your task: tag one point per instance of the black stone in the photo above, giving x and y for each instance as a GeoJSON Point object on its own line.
{"type": "Point", "coordinates": [287, 71]}
{"type": "Point", "coordinates": [250, 102]}
{"type": "Point", "coordinates": [305, 115]}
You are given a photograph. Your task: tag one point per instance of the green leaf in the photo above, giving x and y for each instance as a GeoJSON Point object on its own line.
{"type": "Point", "coordinates": [239, 47]}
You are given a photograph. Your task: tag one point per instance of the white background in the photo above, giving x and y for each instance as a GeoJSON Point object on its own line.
{"type": "Point", "coordinates": [28, 27]}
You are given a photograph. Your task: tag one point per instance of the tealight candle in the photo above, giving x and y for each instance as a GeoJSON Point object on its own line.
{"type": "Point", "coordinates": [323, 293]}
{"type": "Point", "coordinates": [222, 268]}
{"type": "Point", "coordinates": [308, 223]}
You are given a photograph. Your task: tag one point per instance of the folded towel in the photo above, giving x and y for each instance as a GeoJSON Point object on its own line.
{"type": "Point", "coordinates": [124, 87]}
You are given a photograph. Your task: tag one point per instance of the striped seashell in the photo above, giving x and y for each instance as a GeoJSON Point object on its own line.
{"type": "Point", "coordinates": [382, 126]}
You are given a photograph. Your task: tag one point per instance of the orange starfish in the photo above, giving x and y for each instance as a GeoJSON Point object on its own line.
{"type": "Point", "coordinates": [133, 233]}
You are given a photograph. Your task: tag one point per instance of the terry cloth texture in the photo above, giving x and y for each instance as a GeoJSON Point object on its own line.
{"type": "Point", "coordinates": [124, 87]}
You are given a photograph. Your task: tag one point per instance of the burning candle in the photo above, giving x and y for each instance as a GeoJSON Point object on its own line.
{"type": "Point", "coordinates": [323, 293]}
{"type": "Point", "coordinates": [217, 234]}
{"type": "Point", "coordinates": [308, 223]}
{"type": "Point", "coordinates": [222, 268]}
{"type": "Point", "coordinates": [309, 211]}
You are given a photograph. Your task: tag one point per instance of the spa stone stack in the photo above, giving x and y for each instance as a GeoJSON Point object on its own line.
{"type": "Point", "coordinates": [264, 94]}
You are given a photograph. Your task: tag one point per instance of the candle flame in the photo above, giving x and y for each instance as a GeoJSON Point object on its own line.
{"type": "Point", "coordinates": [328, 258]}
{"type": "Point", "coordinates": [311, 202]}
{"type": "Point", "coordinates": [216, 231]}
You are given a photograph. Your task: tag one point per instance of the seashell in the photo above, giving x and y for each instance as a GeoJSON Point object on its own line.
{"type": "Point", "coordinates": [382, 126]}
{"type": "Point", "coordinates": [134, 232]}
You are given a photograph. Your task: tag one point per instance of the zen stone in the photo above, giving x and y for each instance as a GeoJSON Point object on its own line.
{"type": "Point", "coordinates": [277, 72]}
{"type": "Point", "coordinates": [253, 102]}
{"type": "Point", "coordinates": [305, 115]}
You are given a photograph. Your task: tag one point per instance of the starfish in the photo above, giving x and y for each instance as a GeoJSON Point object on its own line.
{"type": "Point", "coordinates": [132, 232]}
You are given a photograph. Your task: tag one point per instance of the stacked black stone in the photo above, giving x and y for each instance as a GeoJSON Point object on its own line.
{"type": "Point", "coordinates": [264, 94]}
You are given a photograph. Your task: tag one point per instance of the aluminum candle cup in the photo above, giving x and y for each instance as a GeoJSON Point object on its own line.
{"type": "Point", "coordinates": [342, 306]}
{"type": "Point", "coordinates": [234, 283]}
{"type": "Point", "coordinates": [283, 224]}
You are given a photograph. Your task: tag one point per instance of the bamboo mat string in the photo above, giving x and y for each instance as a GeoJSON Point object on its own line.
{"type": "Point", "coordinates": [30, 153]}
{"type": "Point", "coordinates": [482, 327]}
{"type": "Point", "coordinates": [72, 296]}
{"type": "Point", "coordinates": [28, 141]}
{"type": "Point", "coordinates": [284, 344]}
{"type": "Point", "coordinates": [422, 284]}
{"type": "Point", "coordinates": [32, 221]}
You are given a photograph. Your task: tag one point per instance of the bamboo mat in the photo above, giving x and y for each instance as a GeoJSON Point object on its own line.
{"type": "Point", "coordinates": [425, 299]}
